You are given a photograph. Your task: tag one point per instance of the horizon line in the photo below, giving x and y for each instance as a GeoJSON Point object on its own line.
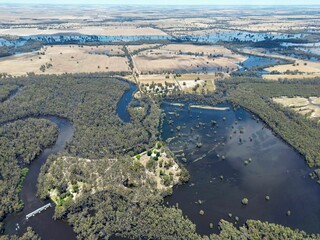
{"type": "Point", "coordinates": [156, 4]}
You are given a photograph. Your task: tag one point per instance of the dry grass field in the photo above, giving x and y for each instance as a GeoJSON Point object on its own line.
{"type": "Point", "coordinates": [309, 107]}
{"type": "Point", "coordinates": [61, 59]}
{"type": "Point", "coordinates": [139, 47]}
{"type": "Point", "coordinates": [198, 49]}
{"type": "Point", "coordinates": [191, 83]}
{"type": "Point", "coordinates": [276, 23]}
{"type": "Point", "coordinates": [156, 78]}
{"type": "Point", "coordinates": [186, 58]}
{"type": "Point", "coordinates": [97, 31]}
{"type": "Point", "coordinates": [299, 65]}
{"type": "Point", "coordinates": [206, 82]}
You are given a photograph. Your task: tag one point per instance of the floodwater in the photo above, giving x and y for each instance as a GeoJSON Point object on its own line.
{"type": "Point", "coordinates": [255, 61]}
{"type": "Point", "coordinates": [239, 158]}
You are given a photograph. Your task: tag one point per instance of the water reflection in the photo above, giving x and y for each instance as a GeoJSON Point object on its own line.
{"type": "Point", "coordinates": [238, 158]}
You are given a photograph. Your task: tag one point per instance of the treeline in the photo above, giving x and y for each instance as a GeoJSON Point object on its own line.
{"type": "Point", "coordinates": [20, 142]}
{"type": "Point", "coordinates": [254, 229]}
{"type": "Point", "coordinates": [29, 235]}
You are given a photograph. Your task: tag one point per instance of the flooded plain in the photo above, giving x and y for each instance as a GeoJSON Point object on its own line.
{"type": "Point", "coordinates": [231, 155]}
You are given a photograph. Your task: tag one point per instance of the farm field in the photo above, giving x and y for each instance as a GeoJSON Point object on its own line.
{"type": "Point", "coordinates": [65, 59]}
{"type": "Point", "coordinates": [299, 66]}
{"type": "Point", "coordinates": [140, 47]}
{"type": "Point", "coordinates": [187, 59]}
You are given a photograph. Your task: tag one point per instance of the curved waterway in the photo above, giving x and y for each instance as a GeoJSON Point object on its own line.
{"type": "Point", "coordinates": [42, 223]}
{"type": "Point", "coordinates": [122, 106]}
{"type": "Point", "coordinates": [239, 158]}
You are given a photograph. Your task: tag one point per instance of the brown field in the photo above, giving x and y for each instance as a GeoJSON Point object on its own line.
{"type": "Point", "coordinates": [133, 48]}
{"type": "Point", "coordinates": [181, 63]}
{"type": "Point", "coordinates": [64, 59]}
{"type": "Point", "coordinates": [276, 23]}
{"type": "Point", "coordinates": [205, 49]}
{"type": "Point", "coordinates": [168, 59]}
{"type": "Point", "coordinates": [301, 105]}
{"type": "Point", "coordinates": [156, 78]}
{"type": "Point", "coordinates": [299, 65]}
{"type": "Point", "coordinates": [162, 61]}
{"type": "Point", "coordinates": [185, 82]}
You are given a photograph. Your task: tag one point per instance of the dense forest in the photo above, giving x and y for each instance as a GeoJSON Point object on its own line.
{"type": "Point", "coordinates": [89, 102]}
{"type": "Point", "coordinates": [254, 230]}
{"type": "Point", "coordinates": [6, 90]}
{"type": "Point", "coordinates": [20, 142]}
{"type": "Point", "coordinates": [28, 235]}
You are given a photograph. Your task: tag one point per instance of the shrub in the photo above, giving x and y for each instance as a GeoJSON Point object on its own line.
{"type": "Point", "coordinates": [245, 201]}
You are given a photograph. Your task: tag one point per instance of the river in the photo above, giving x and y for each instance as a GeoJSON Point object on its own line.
{"type": "Point", "coordinates": [43, 223]}
{"type": "Point", "coordinates": [122, 106]}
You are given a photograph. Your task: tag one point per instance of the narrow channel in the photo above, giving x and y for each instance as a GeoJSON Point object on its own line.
{"type": "Point", "coordinates": [42, 223]}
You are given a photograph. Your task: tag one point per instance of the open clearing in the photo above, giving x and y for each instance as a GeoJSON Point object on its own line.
{"type": "Point", "coordinates": [65, 59]}
{"type": "Point", "coordinates": [191, 83]}
{"type": "Point", "coordinates": [199, 83]}
{"type": "Point", "coordinates": [163, 167]}
{"type": "Point", "coordinates": [304, 106]}
{"type": "Point", "coordinates": [156, 78]}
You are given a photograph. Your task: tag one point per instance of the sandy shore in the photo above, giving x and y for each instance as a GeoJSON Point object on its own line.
{"type": "Point", "coordinates": [210, 107]}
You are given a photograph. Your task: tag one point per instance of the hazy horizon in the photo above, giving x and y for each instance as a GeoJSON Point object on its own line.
{"type": "Point", "coordinates": [170, 2]}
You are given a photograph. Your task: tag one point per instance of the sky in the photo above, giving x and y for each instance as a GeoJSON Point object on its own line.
{"type": "Point", "coordinates": [172, 2]}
